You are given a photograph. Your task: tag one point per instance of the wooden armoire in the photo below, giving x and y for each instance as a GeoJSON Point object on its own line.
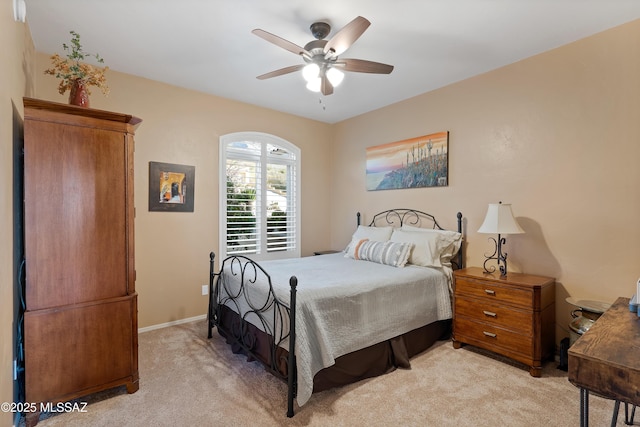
{"type": "Point", "coordinates": [80, 323]}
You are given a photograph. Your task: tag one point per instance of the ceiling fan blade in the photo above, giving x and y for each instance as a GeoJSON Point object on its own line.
{"type": "Point", "coordinates": [279, 41]}
{"type": "Point", "coordinates": [325, 86]}
{"type": "Point", "coordinates": [362, 66]}
{"type": "Point", "coordinates": [346, 36]}
{"type": "Point", "coordinates": [281, 71]}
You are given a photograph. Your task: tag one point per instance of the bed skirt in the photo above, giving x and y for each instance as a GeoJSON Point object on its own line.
{"type": "Point", "coordinates": [372, 361]}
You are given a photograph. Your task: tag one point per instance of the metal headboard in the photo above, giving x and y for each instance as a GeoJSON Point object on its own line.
{"type": "Point", "coordinates": [416, 218]}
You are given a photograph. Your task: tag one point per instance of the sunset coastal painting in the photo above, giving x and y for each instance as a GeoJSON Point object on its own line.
{"type": "Point", "coordinates": [417, 162]}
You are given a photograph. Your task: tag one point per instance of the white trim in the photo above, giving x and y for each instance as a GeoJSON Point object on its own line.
{"type": "Point", "coordinates": [172, 323]}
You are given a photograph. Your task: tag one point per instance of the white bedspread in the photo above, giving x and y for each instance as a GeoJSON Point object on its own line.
{"type": "Point", "coordinates": [345, 305]}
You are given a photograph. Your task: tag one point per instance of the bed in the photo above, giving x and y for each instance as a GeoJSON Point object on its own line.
{"type": "Point", "coordinates": [355, 314]}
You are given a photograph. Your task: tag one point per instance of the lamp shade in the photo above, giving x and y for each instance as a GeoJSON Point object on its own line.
{"type": "Point", "coordinates": [500, 220]}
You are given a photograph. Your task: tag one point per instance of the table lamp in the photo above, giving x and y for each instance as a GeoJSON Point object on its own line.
{"type": "Point", "coordinates": [499, 220]}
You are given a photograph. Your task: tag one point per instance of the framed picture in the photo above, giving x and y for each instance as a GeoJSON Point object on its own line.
{"type": "Point", "coordinates": [171, 187]}
{"type": "Point", "coordinates": [417, 162]}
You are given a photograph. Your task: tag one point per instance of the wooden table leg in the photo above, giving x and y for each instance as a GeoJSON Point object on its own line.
{"type": "Point", "coordinates": [584, 407]}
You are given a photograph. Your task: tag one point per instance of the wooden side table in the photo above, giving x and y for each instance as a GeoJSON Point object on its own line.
{"type": "Point", "coordinates": [604, 360]}
{"type": "Point", "coordinates": [511, 315]}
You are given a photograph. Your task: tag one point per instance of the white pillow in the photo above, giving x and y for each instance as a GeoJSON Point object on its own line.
{"type": "Point", "coordinates": [394, 254]}
{"type": "Point", "coordinates": [424, 253]}
{"type": "Point", "coordinates": [379, 234]}
{"type": "Point", "coordinates": [432, 248]}
{"type": "Point", "coordinates": [449, 242]}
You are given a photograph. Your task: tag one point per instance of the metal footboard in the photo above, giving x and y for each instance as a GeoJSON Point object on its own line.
{"type": "Point", "coordinates": [235, 286]}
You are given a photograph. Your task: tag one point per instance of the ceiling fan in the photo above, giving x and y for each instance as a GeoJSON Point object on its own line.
{"type": "Point", "coordinates": [323, 68]}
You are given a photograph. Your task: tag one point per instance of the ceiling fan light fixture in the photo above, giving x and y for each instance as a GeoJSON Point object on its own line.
{"type": "Point", "coordinates": [320, 56]}
{"type": "Point", "coordinates": [311, 72]}
{"type": "Point", "coordinates": [314, 85]}
{"type": "Point", "coordinates": [335, 76]}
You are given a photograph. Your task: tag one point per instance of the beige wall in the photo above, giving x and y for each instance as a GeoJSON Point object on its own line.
{"type": "Point", "coordinates": [181, 126]}
{"type": "Point", "coordinates": [557, 135]}
{"type": "Point", "coordinates": [16, 69]}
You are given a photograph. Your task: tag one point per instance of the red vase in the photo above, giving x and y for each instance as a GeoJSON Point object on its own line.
{"type": "Point", "coordinates": [79, 95]}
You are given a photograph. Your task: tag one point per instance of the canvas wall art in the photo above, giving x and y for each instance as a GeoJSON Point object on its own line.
{"type": "Point", "coordinates": [411, 163]}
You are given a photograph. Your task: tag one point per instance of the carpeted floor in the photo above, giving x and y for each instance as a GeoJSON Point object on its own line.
{"type": "Point", "coordinates": [188, 380]}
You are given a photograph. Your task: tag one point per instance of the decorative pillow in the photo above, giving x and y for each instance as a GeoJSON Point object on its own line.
{"type": "Point", "coordinates": [433, 248]}
{"type": "Point", "coordinates": [379, 234]}
{"type": "Point", "coordinates": [352, 250]}
{"type": "Point", "coordinates": [389, 253]}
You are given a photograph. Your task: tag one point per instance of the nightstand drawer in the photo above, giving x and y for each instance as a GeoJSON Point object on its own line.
{"type": "Point", "coordinates": [495, 314]}
{"type": "Point", "coordinates": [495, 292]}
{"type": "Point", "coordinates": [490, 337]}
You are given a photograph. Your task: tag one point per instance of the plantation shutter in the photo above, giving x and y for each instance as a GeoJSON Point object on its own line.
{"type": "Point", "coordinates": [243, 207]}
{"type": "Point", "coordinates": [280, 206]}
{"type": "Point", "coordinates": [261, 199]}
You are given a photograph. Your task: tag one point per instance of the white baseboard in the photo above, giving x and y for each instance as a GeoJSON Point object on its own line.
{"type": "Point", "coordinates": [172, 323]}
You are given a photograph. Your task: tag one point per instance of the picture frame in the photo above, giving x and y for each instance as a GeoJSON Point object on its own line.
{"type": "Point", "coordinates": [411, 163]}
{"type": "Point", "coordinates": [171, 187]}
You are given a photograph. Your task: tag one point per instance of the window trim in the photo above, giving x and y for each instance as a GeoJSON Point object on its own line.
{"type": "Point", "coordinates": [263, 139]}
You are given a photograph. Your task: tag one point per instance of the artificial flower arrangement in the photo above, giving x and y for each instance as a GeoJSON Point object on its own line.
{"type": "Point", "coordinates": [72, 71]}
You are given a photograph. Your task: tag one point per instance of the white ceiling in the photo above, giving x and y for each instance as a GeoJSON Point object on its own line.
{"type": "Point", "coordinates": [207, 45]}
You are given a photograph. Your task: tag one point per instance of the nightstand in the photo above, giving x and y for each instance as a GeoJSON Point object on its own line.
{"type": "Point", "coordinates": [512, 315]}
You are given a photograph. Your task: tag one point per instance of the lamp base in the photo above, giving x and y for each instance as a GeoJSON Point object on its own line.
{"type": "Point", "coordinates": [501, 258]}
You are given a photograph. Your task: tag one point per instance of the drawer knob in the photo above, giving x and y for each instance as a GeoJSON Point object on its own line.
{"type": "Point", "coordinates": [489, 292]}
{"type": "Point", "coordinates": [489, 334]}
{"type": "Point", "coordinates": [489, 313]}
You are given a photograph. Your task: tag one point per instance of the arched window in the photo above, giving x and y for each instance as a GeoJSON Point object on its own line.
{"type": "Point", "coordinates": [260, 203]}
